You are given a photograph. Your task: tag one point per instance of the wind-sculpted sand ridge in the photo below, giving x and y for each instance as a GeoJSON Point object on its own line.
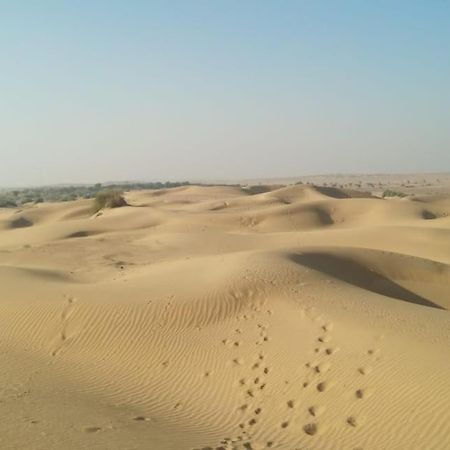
{"type": "Point", "coordinates": [216, 318]}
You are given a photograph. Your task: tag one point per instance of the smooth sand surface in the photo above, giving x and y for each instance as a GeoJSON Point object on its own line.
{"type": "Point", "coordinates": [208, 318]}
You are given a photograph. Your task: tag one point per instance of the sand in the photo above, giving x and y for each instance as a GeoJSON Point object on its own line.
{"type": "Point", "coordinates": [208, 318]}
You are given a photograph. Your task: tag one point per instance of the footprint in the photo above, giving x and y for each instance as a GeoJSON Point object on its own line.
{"type": "Point", "coordinates": [92, 429]}
{"type": "Point", "coordinates": [290, 403]}
{"type": "Point", "coordinates": [284, 424]}
{"type": "Point", "coordinates": [364, 370]}
{"type": "Point", "coordinates": [351, 420]}
{"type": "Point", "coordinates": [331, 350]}
{"type": "Point", "coordinates": [327, 327]}
{"type": "Point", "coordinates": [322, 367]}
{"type": "Point", "coordinates": [362, 393]}
{"type": "Point", "coordinates": [316, 411]}
{"type": "Point", "coordinates": [140, 418]}
{"type": "Point", "coordinates": [322, 387]}
{"type": "Point", "coordinates": [310, 429]}
{"type": "Point", "coordinates": [324, 339]}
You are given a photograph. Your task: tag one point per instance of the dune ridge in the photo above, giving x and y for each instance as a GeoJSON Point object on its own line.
{"type": "Point", "coordinates": [216, 318]}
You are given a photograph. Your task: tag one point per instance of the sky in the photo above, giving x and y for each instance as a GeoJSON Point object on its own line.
{"type": "Point", "coordinates": [95, 91]}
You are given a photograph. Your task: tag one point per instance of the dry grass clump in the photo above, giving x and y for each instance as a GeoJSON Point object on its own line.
{"type": "Point", "coordinates": [109, 198]}
{"type": "Point", "coordinates": [390, 193]}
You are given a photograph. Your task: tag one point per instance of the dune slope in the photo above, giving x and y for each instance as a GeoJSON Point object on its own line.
{"type": "Point", "coordinates": [210, 318]}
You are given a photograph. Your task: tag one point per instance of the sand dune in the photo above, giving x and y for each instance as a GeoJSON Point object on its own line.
{"type": "Point", "coordinates": [213, 318]}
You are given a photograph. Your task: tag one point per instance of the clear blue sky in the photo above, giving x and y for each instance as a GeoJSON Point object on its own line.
{"type": "Point", "coordinates": [156, 90]}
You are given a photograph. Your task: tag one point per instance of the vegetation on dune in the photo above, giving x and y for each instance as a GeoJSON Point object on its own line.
{"type": "Point", "coordinates": [391, 193]}
{"type": "Point", "coordinates": [6, 202]}
{"type": "Point", "coordinates": [18, 197]}
{"type": "Point", "coordinates": [109, 198]}
{"type": "Point", "coordinates": [261, 188]}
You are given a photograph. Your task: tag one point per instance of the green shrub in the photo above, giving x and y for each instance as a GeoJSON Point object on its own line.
{"type": "Point", "coordinates": [261, 188]}
{"type": "Point", "coordinates": [7, 203]}
{"type": "Point", "coordinates": [390, 193]}
{"type": "Point", "coordinates": [109, 198]}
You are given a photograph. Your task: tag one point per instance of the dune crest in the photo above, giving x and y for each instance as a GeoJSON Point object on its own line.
{"type": "Point", "coordinates": [222, 318]}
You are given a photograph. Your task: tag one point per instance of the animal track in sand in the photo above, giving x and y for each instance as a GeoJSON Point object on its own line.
{"type": "Point", "coordinates": [92, 429]}
{"type": "Point", "coordinates": [331, 350]}
{"type": "Point", "coordinates": [140, 418]}
{"type": "Point", "coordinates": [66, 311]}
{"type": "Point", "coordinates": [315, 410]}
{"type": "Point", "coordinates": [373, 351]}
{"type": "Point", "coordinates": [322, 386]}
{"type": "Point", "coordinates": [365, 370]}
{"type": "Point", "coordinates": [322, 367]}
{"type": "Point", "coordinates": [352, 421]}
{"type": "Point", "coordinates": [65, 314]}
{"type": "Point", "coordinates": [250, 392]}
{"type": "Point", "coordinates": [363, 393]}
{"type": "Point", "coordinates": [310, 429]}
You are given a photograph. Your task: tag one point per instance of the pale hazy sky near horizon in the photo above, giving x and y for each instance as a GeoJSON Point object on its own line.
{"type": "Point", "coordinates": [173, 90]}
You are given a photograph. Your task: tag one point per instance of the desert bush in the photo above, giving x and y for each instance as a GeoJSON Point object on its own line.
{"type": "Point", "coordinates": [261, 188]}
{"type": "Point", "coordinates": [7, 203]}
{"type": "Point", "coordinates": [390, 193]}
{"type": "Point", "coordinates": [109, 198]}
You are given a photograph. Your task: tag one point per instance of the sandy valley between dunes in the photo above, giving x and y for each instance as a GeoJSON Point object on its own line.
{"type": "Point", "coordinates": [207, 318]}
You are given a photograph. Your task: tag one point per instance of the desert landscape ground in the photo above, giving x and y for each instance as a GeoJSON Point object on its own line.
{"type": "Point", "coordinates": [208, 317]}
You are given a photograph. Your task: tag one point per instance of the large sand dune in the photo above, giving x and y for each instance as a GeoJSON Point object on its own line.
{"type": "Point", "coordinates": [209, 318]}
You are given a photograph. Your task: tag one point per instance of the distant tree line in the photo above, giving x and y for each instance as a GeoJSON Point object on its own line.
{"type": "Point", "coordinates": [17, 197]}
